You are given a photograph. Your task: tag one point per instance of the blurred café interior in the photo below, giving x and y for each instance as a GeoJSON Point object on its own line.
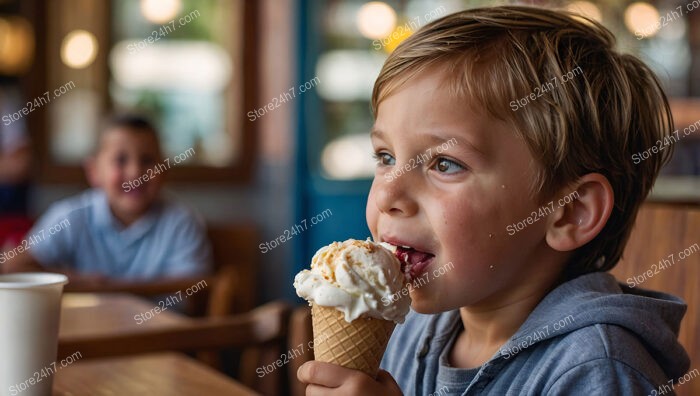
{"type": "Point", "coordinates": [263, 107]}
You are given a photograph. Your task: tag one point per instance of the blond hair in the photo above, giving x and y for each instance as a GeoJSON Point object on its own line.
{"type": "Point", "coordinates": [594, 121]}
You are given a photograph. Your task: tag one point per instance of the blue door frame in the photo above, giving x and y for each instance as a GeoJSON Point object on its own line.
{"type": "Point", "coordinates": [314, 194]}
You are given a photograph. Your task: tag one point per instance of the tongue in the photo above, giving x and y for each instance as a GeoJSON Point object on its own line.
{"type": "Point", "coordinates": [410, 258]}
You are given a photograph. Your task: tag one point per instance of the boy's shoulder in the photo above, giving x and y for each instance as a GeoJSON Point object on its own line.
{"type": "Point", "coordinates": [590, 332]}
{"type": "Point", "coordinates": [92, 206]}
{"type": "Point", "coordinates": [76, 206]}
{"type": "Point", "coordinates": [173, 210]}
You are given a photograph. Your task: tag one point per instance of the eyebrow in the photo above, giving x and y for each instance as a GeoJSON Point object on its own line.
{"type": "Point", "coordinates": [437, 139]}
{"type": "Point", "coordinates": [434, 139]}
{"type": "Point", "coordinates": [376, 133]}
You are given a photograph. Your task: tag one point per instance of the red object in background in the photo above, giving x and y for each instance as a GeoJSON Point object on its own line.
{"type": "Point", "coordinates": [13, 230]}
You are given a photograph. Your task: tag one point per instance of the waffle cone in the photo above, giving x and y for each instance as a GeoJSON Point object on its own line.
{"type": "Point", "coordinates": [357, 345]}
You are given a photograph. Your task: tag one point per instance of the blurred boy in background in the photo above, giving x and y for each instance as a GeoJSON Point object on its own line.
{"type": "Point", "coordinates": [121, 229]}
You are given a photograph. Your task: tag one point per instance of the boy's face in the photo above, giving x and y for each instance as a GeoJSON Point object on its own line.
{"type": "Point", "coordinates": [456, 204]}
{"type": "Point", "coordinates": [124, 156]}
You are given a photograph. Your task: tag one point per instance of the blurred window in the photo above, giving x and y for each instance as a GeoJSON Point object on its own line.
{"type": "Point", "coordinates": [181, 62]}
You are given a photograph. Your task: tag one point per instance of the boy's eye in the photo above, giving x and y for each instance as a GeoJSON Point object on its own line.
{"type": "Point", "coordinates": [147, 161]}
{"type": "Point", "coordinates": [121, 159]}
{"type": "Point", "coordinates": [384, 159]}
{"type": "Point", "coordinates": [443, 165]}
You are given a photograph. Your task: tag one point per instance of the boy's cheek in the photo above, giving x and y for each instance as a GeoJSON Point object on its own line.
{"type": "Point", "coordinates": [372, 215]}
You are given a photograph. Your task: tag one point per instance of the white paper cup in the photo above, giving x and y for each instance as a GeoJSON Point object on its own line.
{"type": "Point", "coordinates": [30, 306]}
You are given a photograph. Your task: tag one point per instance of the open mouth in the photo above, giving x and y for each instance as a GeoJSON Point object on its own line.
{"type": "Point", "coordinates": [413, 262]}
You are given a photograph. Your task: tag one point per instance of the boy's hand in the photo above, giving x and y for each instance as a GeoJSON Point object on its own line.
{"type": "Point", "coordinates": [80, 282]}
{"type": "Point", "coordinates": [330, 379]}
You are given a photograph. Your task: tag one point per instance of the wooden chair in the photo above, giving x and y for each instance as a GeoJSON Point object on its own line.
{"type": "Point", "coordinates": [231, 289]}
{"type": "Point", "coordinates": [300, 333]}
{"type": "Point", "coordinates": [663, 231]}
{"type": "Point", "coordinates": [263, 328]}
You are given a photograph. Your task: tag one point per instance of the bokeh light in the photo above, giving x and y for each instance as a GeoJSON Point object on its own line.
{"type": "Point", "coordinates": [160, 11]}
{"type": "Point", "coordinates": [16, 45]}
{"type": "Point", "coordinates": [642, 19]}
{"type": "Point", "coordinates": [587, 9]}
{"type": "Point", "coordinates": [79, 49]}
{"type": "Point", "coordinates": [376, 20]}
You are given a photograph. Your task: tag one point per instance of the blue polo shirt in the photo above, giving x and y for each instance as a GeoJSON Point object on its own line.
{"type": "Point", "coordinates": [81, 234]}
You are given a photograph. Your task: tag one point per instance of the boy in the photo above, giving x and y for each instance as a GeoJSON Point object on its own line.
{"type": "Point", "coordinates": [116, 230]}
{"type": "Point", "coordinates": [532, 311]}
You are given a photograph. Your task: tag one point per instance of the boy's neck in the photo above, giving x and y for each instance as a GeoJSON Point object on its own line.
{"type": "Point", "coordinates": [126, 220]}
{"type": "Point", "coordinates": [488, 326]}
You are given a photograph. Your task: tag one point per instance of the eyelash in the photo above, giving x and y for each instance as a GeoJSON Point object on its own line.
{"type": "Point", "coordinates": [380, 156]}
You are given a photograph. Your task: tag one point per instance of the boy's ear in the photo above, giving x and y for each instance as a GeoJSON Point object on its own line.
{"type": "Point", "coordinates": [90, 167]}
{"type": "Point", "coordinates": [576, 223]}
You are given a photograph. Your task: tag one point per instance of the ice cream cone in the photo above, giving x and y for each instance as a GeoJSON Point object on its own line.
{"type": "Point", "coordinates": [358, 345]}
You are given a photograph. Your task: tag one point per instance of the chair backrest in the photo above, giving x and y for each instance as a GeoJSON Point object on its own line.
{"type": "Point", "coordinates": [264, 328]}
{"type": "Point", "coordinates": [235, 262]}
{"type": "Point", "coordinates": [663, 254]}
{"type": "Point", "coordinates": [300, 337]}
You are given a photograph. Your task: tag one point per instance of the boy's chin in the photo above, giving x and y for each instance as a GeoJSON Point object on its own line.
{"type": "Point", "coordinates": [426, 307]}
{"type": "Point", "coordinates": [430, 304]}
{"type": "Point", "coordinates": [134, 208]}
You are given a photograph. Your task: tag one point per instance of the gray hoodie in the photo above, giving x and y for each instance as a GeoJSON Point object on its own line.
{"type": "Point", "coordinates": [589, 336]}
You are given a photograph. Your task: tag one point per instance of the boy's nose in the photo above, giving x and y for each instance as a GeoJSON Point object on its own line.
{"type": "Point", "coordinates": [134, 169]}
{"type": "Point", "coordinates": [394, 197]}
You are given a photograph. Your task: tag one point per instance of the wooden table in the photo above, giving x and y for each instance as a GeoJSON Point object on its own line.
{"type": "Point", "coordinates": [153, 374]}
{"type": "Point", "coordinates": [85, 315]}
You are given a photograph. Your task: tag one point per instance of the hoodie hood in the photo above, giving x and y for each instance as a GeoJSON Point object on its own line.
{"type": "Point", "coordinates": [598, 298]}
